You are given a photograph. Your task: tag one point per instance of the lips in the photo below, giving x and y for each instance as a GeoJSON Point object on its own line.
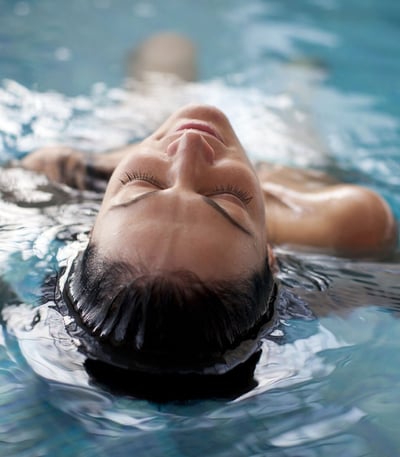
{"type": "Point", "coordinates": [205, 128]}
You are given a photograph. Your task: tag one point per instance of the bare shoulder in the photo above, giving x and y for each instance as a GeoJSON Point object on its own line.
{"type": "Point", "coordinates": [310, 210]}
{"type": "Point", "coordinates": [362, 222]}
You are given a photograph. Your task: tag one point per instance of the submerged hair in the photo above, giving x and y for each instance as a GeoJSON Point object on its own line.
{"type": "Point", "coordinates": [164, 319]}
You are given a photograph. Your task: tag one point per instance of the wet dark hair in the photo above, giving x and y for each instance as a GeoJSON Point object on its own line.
{"type": "Point", "coordinates": [165, 322]}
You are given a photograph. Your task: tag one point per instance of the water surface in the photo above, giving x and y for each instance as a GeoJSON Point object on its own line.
{"type": "Point", "coordinates": [308, 83]}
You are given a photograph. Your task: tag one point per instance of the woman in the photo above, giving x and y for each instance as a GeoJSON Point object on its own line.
{"type": "Point", "coordinates": [177, 276]}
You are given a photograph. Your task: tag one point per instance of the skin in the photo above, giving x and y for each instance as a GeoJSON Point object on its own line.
{"type": "Point", "coordinates": [168, 53]}
{"type": "Point", "coordinates": [310, 209]}
{"type": "Point", "coordinates": [182, 167]}
{"type": "Point", "coordinates": [170, 201]}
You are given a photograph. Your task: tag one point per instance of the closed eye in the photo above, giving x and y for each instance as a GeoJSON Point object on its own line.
{"type": "Point", "coordinates": [230, 189]}
{"type": "Point", "coordinates": [140, 176]}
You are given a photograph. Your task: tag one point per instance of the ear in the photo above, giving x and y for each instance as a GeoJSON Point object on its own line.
{"type": "Point", "coordinates": [272, 259]}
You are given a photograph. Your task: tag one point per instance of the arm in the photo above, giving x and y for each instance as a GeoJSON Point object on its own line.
{"type": "Point", "coordinates": [304, 209]}
{"type": "Point", "coordinates": [75, 168]}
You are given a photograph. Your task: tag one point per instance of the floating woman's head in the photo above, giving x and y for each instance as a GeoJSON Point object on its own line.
{"type": "Point", "coordinates": [176, 277]}
{"type": "Point", "coordinates": [187, 198]}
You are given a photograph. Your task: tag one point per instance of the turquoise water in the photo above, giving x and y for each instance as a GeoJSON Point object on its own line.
{"type": "Point", "coordinates": [306, 83]}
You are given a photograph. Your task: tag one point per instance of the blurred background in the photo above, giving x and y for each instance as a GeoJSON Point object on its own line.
{"type": "Point", "coordinates": [69, 46]}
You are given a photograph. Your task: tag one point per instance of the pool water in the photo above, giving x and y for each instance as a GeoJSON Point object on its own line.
{"type": "Point", "coordinates": [305, 83]}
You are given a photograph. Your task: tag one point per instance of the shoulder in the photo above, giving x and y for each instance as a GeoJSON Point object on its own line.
{"type": "Point", "coordinates": [344, 219]}
{"type": "Point", "coordinates": [361, 221]}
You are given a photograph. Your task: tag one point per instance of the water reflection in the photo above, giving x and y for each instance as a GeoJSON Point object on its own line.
{"type": "Point", "coordinates": [327, 376]}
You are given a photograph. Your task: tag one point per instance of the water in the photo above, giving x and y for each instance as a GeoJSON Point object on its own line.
{"type": "Point", "coordinates": [307, 83]}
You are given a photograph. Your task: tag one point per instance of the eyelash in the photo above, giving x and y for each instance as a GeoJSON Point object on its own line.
{"type": "Point", "coordinates": [140, 176]}
{"type": "Point", "coordinates": [242, 195]}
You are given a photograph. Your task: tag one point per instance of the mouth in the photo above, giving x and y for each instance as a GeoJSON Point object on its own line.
{"type": "Point", "coordinates": [201, 127]}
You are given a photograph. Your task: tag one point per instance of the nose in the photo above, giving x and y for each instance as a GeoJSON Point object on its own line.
{"type": "Point", "coordinates": [192, 155]}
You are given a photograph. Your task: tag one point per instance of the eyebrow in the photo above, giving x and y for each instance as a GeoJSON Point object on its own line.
{"type": "Point", "coordinates": [207, 200]}
{"type": "Point", "coordinates": [134, 200]}
{"type": "Point", "coordinates": [226, 215]}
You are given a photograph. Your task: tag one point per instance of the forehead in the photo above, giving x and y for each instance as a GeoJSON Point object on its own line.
{"type": "Point", "coordinates": [186, 234]}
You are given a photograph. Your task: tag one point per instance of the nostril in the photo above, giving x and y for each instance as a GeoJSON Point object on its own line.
{"type": "Point", "coordinates": [193, 145]}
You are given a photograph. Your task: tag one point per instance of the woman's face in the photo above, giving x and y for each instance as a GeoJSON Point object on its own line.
{"type": "Point", "coordinates": [186, 198]}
